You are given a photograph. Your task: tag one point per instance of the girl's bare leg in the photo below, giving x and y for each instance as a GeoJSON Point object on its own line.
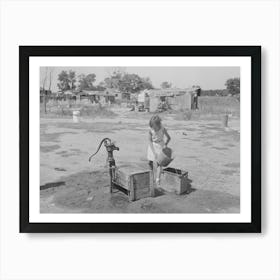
{"type": "Point", "coordinates": [159, 170]}
{"type": "Point", "coordinates": [154, 172]}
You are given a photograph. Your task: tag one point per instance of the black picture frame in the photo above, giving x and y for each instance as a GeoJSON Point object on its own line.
{"type": "Point", "coordinates": [25, 52]}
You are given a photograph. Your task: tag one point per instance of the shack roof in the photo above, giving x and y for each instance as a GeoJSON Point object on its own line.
{"type": "Point", "coordinates": [105, 94]}
{"type": "Point", "coordinates": [99, 93]}
{"type": "Point", "coordinates": [169, 92]}
{"type": "Point", "coordinates": [90, 92]}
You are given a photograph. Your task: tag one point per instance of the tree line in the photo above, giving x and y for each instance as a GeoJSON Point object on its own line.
{"type": "Point", "coordinates": [118, 80]}
{"type": "Point", "coordinates": [124, 82]}
{"type": "Point", "coordinates": [232, 88]}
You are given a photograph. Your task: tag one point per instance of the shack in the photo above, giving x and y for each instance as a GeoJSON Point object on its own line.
{"type": "Point", "coordinates": [174, 98]}
{"type": "Point", "coordinates": [104, 97]}
{"type": "Point", "coordinates": [44, 94]}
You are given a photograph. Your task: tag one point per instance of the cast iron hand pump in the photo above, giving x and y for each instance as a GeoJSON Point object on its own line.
{"type": "Point", "coordinates": [110, 147]}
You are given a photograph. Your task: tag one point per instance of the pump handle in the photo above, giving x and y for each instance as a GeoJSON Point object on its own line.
{"type": "Point", "coordinates": [98, 148]}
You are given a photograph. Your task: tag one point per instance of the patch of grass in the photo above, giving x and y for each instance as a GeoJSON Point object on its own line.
{"type": "Point", "coordinates": [211, 107]}
{"type": "Point", "coordinates": [97, 111]}
{"type": "Point", "coordinates": [219, 105]}
{"type": "Point", "coordinates": [86, 110]}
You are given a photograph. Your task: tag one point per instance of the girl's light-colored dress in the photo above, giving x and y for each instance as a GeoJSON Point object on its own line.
{"type": "Point", "coordinates": [158, 143]}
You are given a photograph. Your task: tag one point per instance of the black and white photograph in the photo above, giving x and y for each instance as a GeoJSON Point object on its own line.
{"type": "Point", "coordinates": [140, 139]}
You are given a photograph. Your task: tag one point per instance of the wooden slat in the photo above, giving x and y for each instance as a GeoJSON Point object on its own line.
{"type": "Point", "coordinates": [131, 189]}
{"type": "Point", "coordinates": [173, 182]}
{"type": "Point", "coordinates": [136, 183]}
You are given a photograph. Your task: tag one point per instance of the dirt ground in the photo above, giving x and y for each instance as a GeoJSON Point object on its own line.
{"type": "Point", "coordinates": [69, 183]}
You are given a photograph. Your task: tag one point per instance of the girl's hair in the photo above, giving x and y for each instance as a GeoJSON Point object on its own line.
{"type": "Point", "coordinates": [155, 120]}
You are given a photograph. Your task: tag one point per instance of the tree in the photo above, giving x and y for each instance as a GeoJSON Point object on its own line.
{"type": "Point", "coordinates": [86, 81]}
{"type": "Point", "coordinates": [45, 79]}
{"type": "Point", "coordinates": [126, 82]}
{"type": "Point", "coordinates": [114, 80]}
{"type": "Point", "coordinates": [147, 83]}
{"type": "Point", "coordinates": [165, 85]}
{"type": "Point", "coordinates": [133, 83]}
{"type": "Point", "coordinates": [100, 87]}
{"type": "Point", "coordinates": [72, 79]}
{"type": "Point", "coordinates": [82, 81]}
{"type": "Point", "coordinates": [50, 80]}
{"type": "Point", "coordinates": [130, 83]}
{"type": "Point", "coordinates": [43, 90]}
{"type": "Point", "coordinates": [111, 71]}
{"type": "Point", "coordinates": [64, 81]}
{"type": "Point", "coordinates": [233, 86]}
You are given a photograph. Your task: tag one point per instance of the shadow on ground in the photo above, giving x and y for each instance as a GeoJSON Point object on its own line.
{"type": "Point", "coordinates": [88, 192]}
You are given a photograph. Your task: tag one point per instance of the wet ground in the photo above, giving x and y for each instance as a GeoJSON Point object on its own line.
{"type": "Point", "coordinates": [69, 183]}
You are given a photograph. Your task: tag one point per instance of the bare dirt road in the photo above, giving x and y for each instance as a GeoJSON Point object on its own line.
{"type": "Point", "coordinates": [70, 184]}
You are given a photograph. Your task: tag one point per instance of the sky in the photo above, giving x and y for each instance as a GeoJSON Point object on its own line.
{"type": "Point", "coordinates": [181, 77]}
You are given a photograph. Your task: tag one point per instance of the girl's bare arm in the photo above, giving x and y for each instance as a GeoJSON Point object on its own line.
{"type": "Point", "coordinates": [168, 138]}
{"type": "Point", "coordinates": [151, 143]}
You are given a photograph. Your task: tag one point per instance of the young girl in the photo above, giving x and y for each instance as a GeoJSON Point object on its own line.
{"type": "Point", "coordinates": [156, 143]}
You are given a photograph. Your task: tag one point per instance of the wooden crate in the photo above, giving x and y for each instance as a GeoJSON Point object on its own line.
{"type": "Point", "coordinates": [174, 180]}
{"type": "Point", "coordinates": [136, 181]}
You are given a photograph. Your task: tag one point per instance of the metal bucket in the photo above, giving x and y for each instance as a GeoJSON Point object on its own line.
{"type": "Point", "coordinates": [165, 157]}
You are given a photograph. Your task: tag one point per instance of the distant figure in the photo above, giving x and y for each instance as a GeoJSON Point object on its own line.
{"type": "Point", "coordinates": [156, 143]}
{"type": "Point", "coordinates": [147, 103]}
{"type": "Point", "coordinates": [196, 95]}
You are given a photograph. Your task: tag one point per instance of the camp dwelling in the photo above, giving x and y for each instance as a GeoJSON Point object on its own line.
{"type": "Point", "coordinates": [104, 97]}
{"type": "Point", "coordinates": [177, 99]}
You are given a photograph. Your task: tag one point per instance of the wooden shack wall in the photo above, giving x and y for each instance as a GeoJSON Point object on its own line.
{"type": "Point", "coordinates": [186, 101]}
{"type": "Point", "coordinates": [177, 102]}
{"type": "Point", "coordinates": [154, 101]}
{"type": "Point", "coordinates": [180, 102]}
